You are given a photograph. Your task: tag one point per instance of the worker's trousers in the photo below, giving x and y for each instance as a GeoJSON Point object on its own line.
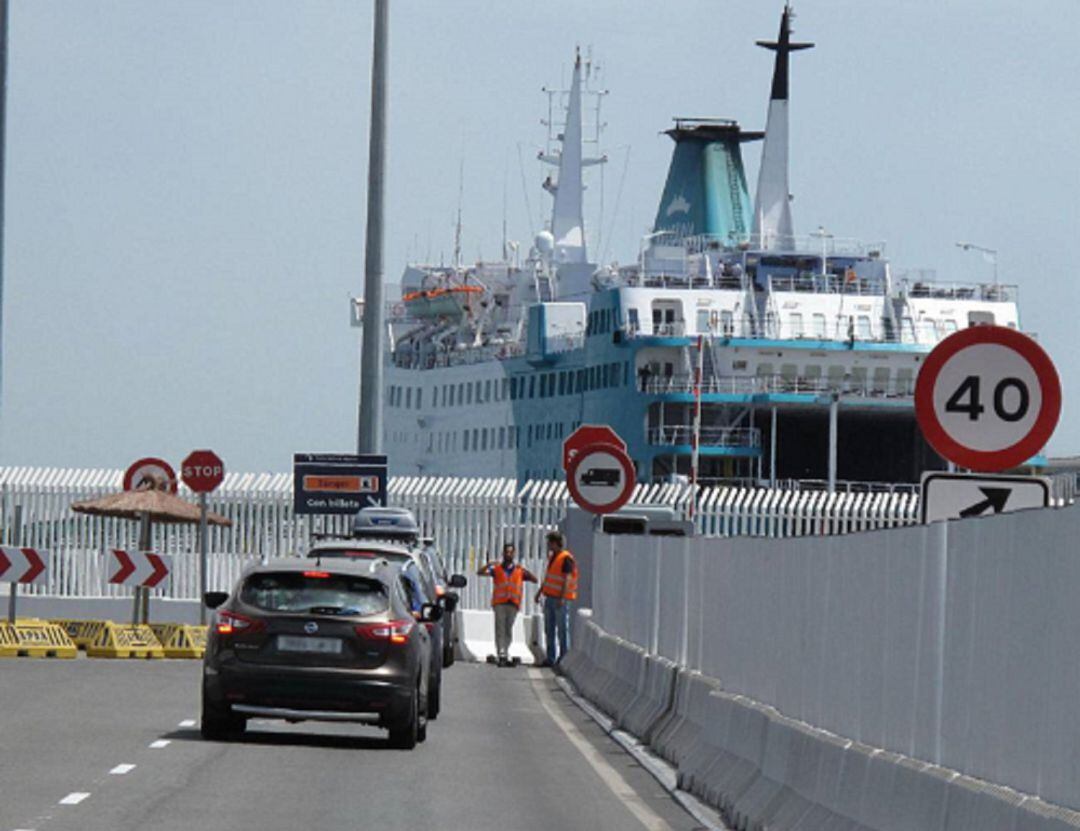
{"type": "Point", "coordinates": [505, 615]}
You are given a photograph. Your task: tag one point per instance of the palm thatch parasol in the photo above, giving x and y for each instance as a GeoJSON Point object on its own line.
{"type": "Point", "coordinates": [161, 505]}
{"type": "Point", "coordinates": [151, 502]}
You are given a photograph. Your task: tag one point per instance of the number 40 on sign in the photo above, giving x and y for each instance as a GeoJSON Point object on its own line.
{"type": "Point", "coordinates": [988, 398]}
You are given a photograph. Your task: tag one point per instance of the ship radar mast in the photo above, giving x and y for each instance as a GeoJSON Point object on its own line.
{"type": "Point", "coordinates": [773, 227]}
{"type": "Point", "coordinates": [565, 151]}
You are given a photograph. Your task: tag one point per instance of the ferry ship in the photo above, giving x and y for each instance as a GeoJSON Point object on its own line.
{"type": "Point", "coordinates": [774, 356]}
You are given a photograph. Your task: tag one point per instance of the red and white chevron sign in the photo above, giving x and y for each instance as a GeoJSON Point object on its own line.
{"type": "Point", "coordinates": [23, 565]}
{"type": "Point", "coordinates": [138, 568]}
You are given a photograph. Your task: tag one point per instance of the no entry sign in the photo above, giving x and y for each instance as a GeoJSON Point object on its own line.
{"type": "Point", "coordinates": [600, 478]}
{"type": "Point", "coordinates": [588, 435]}
{"type": "Point", "coordinates": [988, 398]}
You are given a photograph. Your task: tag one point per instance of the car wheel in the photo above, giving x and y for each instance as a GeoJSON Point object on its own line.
{"type": "Point", "coordinates": [405, 734]}
{"type": "Point", "coordinates": [218, 724]}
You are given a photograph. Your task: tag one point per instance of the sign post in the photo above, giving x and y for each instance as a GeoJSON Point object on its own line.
{"type": "Point", "coordinates": [987, 399]}
{"type": "Point", "coordinates": [202, 471]}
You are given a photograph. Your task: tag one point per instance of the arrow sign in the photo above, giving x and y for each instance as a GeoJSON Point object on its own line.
{"type": "Point", "coordinates": [138, 568]}
{"type": "Point", "coordinates": [23, 565]}
{"type": "Point", "coordinates": [969, 496]}
{"type": "Point", "coordinates": [995, 498]}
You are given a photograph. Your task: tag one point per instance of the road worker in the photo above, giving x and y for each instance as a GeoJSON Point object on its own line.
{"type": "Point", "coordinates": [559, 590]}
{"type": "Point", "coordinates": [507, 593]}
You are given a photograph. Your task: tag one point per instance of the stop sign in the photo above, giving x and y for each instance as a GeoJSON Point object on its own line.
{"type": "Point", "coordinates": [587, 435]}
{"type": "Point", "coordinates": [202, 471]}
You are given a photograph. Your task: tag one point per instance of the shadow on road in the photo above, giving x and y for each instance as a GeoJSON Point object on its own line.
{"type": "Point", "coordinates": [286, 738]}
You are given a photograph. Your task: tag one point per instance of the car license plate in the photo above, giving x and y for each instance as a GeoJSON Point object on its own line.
{"type": "Point", "coordinates": [323, 646]}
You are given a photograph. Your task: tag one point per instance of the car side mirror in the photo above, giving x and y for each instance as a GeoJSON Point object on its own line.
{"type": "Point", "coordinates": [458, 581]}
{"type": "Point", "coordinates": [214, 599]}
{"type": "Point", "coordinates": [449, 601]}
{"type": "Point", "coordinates": [431, 613]}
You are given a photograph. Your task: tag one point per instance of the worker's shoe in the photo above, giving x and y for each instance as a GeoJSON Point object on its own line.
{"type": "Point", "coordinates": [503, 662]}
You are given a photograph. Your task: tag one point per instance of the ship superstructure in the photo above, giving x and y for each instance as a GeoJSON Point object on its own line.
{"type": "Point", "coordinates": [805, 343]}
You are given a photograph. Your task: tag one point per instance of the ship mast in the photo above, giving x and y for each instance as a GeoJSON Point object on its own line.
{"type": "Point", "coordinates": [773, 228]}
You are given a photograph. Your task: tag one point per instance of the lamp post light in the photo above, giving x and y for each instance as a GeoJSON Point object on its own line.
{"type": "Point", "coordinates": [988, 253]}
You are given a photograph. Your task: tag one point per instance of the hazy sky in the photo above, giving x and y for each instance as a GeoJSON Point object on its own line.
{"type": "Point", "coordinates": [186, 181]}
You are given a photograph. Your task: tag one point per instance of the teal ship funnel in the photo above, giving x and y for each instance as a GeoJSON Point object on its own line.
{"type": "Point", "coordinates": [706, 192]}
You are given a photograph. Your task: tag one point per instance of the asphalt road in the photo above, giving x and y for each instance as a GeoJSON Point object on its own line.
{"type": "Point", "coordinates": [92, 745]}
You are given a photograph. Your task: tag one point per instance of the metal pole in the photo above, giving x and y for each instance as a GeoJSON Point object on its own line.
{"type": "Point", "coordinates": [204, 540]}
{"type": "Point", "coordinates": [369, 428]}
{"type": "Point", "coordinates": [772, 450]}
{"type": "Point", "coordinates": [694, 459]}
{"type": "Point", "coordinates": [3, 156]}
{"type": "Point", "coordinates": [834, 409]}
{"type": "Point", "coordinates": [16, 538]}
{"type": "Point", "coordinates": [140, 593]}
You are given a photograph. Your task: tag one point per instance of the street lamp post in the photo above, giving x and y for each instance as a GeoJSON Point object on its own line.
{"type": "Point", "coordinates": [990, 253]}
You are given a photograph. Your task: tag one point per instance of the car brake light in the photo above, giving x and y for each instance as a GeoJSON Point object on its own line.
{"type": "Point", "coordinates": [322, 575]}
{"type": "Point", "coordinates": [229, 623]}
{"type": "Point", "coordinates": [396, 631]}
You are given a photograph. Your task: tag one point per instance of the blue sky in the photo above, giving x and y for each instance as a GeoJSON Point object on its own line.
{"type": "Point", "coordinates": [186, 181]}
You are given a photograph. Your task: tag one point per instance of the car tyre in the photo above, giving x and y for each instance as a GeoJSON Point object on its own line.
{"type": "Point", "coordinates": [406, 734]}
{"type": "Point", "coordinates": [218, 724]}
{"type": "Point", "coordinates": [434, 700]}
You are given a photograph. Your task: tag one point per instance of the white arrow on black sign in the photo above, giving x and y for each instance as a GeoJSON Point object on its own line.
{"type": "Point", "coordinates": [967, 495]}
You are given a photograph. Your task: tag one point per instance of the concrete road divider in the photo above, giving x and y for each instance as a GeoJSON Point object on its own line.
{"type": "Point", "coordinates": [762, 770]}
{"type": "Point", "coordinates": [32, 638]}
{"type": "Point", "coordinates": [180, 640]}
{"type": "Point", "coordinates": [116, 640]}
{"type": "Point", "coordinates": [476, 636]}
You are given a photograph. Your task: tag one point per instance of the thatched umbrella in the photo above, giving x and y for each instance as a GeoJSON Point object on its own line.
{"type": "Point", "coordinates": [151, 502]}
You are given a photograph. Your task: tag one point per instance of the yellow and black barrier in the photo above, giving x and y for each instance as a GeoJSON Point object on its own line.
{"type": "Point", "coordinates": [181, 640]}
{"type": "Point", "coordinates": [32, 638]}
{"type": "Point", "coordinates": [124, 640]}
{"type": "Point", "coordinates": [82, 632]}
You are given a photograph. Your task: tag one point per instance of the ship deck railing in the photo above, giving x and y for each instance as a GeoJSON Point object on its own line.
{"type": "Point", "coordinates": [983, 292]}
{"type": "Point", "coordinates": [812, 244]}
{"type": "Point", "coordinates": [438, 358]}
{"type": "Point", "coordinates": [848, 386]}
{"type": "Point", "coordinates": [680, 434]}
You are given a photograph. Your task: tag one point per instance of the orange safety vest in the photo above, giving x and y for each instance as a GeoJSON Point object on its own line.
{"type": "Point", "coordinates": [555, 581]}
{"type": "Point", "coordinates": [508, 587]}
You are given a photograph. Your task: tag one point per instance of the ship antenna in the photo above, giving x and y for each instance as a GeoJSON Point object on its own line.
{"type": "Point", "coordinates": [457, 228]}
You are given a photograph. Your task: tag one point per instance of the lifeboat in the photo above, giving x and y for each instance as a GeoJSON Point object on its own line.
{"type": "Point", "coordinates": [450, 301]}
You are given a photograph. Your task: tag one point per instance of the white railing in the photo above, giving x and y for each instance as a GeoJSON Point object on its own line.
{"type": "Point", "coordinates": [773, 384]}
{"type": "Point", "coordinates": [470, 519]}
{"type": "Point", "coordinates": [709, 436]}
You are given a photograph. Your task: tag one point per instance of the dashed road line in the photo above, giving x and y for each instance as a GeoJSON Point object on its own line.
{"type": "Point", "coordinates": [74, 798]}
{"type": "Point", "coordinates": [160, 743]}
{"type": "Point", "coordinates": [188, 722]}
{"type": "Point", "coordinates": [120, 770]}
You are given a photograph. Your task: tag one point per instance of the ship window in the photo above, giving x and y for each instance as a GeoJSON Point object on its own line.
{"type": "Point", "coordinates": [948, 326]}
{"type": "Point", "coordinates": [502, 438]}
{"type": "Point", "coordinates": [468, 393]}
{"type": "Point", "coordinates": [562, 383]}
{"type": "Point", "coordinates": [408, 398]}
{"type": "Point", "coordinates": [532, 386]}
{"type": "Point", "coordinates": [476, 438]}
{"type": "Point", "coordinates": [529, 435]}
{"type": "Point", "coordinates": [419, 397]}
{"type": "Point", "coordinates": [505, 388]}
{"type": "Point", "coordinates": [858, 378]}
{"type": "Point", "coordinates": [795, 324]}
{"type": "Point", "coordinates": [727, 323]}
{"type": "Point", "coordinates": [881, 379]}
{"type": "Point", "coordinates": [903, 381]}
{"type": "Point", "coordinates": [863, 329]}
{"type": "Point", "coordinates": [817, 325]}
{"type": "Point", "coordinates": [487, 390]}
{"type": "Point", "coordinates": [483, 439]}
{"type": "Point", "coordinates": [465, 440]}
{"type": "Point", "coordinates": [435, 397]}
{"type": "Point", "coordinates": [632, 320]}
{"type": "Point", "coordinates": [461, 395]}
{"type": "Point", "coordinates": [450, 390]}
{"type": "Point", "coordinates": [702, 321]}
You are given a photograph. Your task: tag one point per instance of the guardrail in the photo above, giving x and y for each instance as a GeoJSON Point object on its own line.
{"type": "Point", "coordinates": [708, 436]}
{"type": "Point", "coordinates": [772, 384]}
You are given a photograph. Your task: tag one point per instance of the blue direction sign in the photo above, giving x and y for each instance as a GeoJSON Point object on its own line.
{"type": "Point", "coordinates": [337, 483]}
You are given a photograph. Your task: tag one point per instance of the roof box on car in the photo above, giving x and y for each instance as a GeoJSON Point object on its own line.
{"type": "Point", "coordinates": [386, 523]}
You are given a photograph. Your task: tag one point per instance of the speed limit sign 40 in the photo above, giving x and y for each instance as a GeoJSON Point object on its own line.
{"type": "Point", "coordinates": [988, 398]}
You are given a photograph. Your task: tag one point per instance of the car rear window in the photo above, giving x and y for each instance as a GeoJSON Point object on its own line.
{"type": "Point", "coordinates": [334, 594]}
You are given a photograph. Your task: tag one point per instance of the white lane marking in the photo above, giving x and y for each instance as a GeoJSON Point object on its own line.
{"type": "Point", "coordinates": [160, 743]}
{"type": "Point", "coordinates": [188, 722]}
{"type": "Point", "coordinates": [611, 777]}
{"type": "Point", "coordinates": [74, 798]}
{"type": "Point", "coordinates": [120, 770]}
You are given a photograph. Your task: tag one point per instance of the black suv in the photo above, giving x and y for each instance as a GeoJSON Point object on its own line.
{"type": "Point", "coordinates": [332, 642]}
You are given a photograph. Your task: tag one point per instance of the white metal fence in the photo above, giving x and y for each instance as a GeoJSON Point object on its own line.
{"type": "Point", "coordinates": [470, 519]}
